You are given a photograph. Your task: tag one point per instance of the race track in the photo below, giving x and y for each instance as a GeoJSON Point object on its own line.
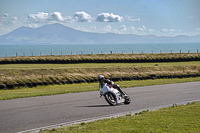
{"type": "Point", "coordinates": [30, 113]}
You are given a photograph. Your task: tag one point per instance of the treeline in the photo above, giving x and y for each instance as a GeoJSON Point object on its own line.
{"type": "Point", "coordinates": [102, 58]}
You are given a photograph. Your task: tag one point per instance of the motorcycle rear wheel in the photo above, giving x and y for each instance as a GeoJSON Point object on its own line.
{"type": "Point", "coordinates": [110, 98]}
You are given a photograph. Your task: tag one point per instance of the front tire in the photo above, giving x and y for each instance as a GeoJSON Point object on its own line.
{"type": "Point", "coordinates": [110, 98]}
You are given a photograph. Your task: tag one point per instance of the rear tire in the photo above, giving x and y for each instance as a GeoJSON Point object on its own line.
{"type": "Point", "coordinates": [110, 98]}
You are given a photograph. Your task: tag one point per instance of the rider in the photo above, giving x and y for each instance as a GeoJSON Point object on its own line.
{"type": "Point", "coordinates": [102, 81]}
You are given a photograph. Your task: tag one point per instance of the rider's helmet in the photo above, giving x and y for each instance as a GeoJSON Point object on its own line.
{"type": "Point", "coordinates": [100, 78]}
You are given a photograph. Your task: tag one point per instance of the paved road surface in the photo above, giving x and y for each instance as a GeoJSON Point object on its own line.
{"type": "Point", "coordinates": [29, 113]}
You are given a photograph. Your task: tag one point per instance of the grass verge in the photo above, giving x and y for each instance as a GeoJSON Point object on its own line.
{"type": "Point", "coordinates": [15, 75]}
{"type": "Point", "coordinates": [176, 119]}
{"type": "Point", "coordinates": [83, 87]}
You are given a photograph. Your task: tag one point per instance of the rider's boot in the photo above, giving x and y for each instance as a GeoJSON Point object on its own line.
{"type": "Point", "coordinates": [125, 96]}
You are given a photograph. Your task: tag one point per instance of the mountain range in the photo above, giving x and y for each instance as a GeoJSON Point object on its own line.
{"type": "Point", "coordinates": [60, 34]}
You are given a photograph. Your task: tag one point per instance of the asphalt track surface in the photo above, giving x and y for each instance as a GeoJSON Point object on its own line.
{"type": "Point", "coordinates": [29, 113]}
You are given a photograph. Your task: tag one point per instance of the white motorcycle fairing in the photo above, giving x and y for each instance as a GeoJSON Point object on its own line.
{"type": "Point", "coordinates": [104, 90]}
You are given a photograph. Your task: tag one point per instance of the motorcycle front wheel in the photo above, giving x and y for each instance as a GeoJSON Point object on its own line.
{"type": "Point", "coordinates": [110, 98]}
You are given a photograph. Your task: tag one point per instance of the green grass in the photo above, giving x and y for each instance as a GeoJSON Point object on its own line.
{"type": "Point", "coordinates": [180, 119]}
{"type": "Point", "coordinates": [75, 88]}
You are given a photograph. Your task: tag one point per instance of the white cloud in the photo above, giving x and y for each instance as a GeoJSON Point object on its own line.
{"type": "Point", "coordinates": [143, 28]}
{"type": "Point", "coordinates": [109, 17]}
{"type": "Point", "coordinates": [93, 27]}
{"type": "Point", "coordinates": [7, 20]}
{"type": "Point", "coordinates": [39, 17]}
{"type": "Point", "coordinates": [107, 28]}
{"type": "Point", "coordinates": [140, 29]}
{"type": "Point", "coordinates": [57, 16]}
{"type": "Point", "coordinates": [33, 26]}
{"type": "Point", "coordinates": [167, 30]}
{"type": "Point", "coordinates": [123, 28]}
{"type": "Point", "coordinates": [5, 15]}
{"type": "Point", "coordinates": [42, 17]}
{"type": "Point", "coordinates": [5, 29]}
{"type": "Point", "coordinates": [69, 19]}
{"type": "Point", "coordinates": [171, 30]}
{"type": "Point", "coordinates": [150, 30]}
{"type": "Point", "coordinates": [81, 29]}
{"type": "Point", "coordinates": [130, 18]}
{"type": "Point", "coordinates": [82, 17]}
{"type": "Point", "coordinates": [164, 30]}
{"type": "Point", "coordinates": [198, 29]}
{"type": "Point", "coordinates": [132, 28]}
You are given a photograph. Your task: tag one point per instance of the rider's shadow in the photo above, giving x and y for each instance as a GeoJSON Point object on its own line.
{"type": "Point", "coordinates": [92, 106]}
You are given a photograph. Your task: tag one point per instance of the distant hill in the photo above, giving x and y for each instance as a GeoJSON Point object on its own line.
{"type": "Point", "coordinates": [60, 34]}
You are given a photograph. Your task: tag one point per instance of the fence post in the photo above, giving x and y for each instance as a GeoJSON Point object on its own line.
{"type": "Point", "coordinates": [32, 53]}
{"type": "Point", "coordinates": [71, 52]}
{"type": "Point", "coordinates": [171, 51]}
{"type": "Point", "coordinates": [40, 53]}
{"type": "Point", "coordinates": [180, 51]}
{"type": "Point", "coordinates": [152, 51]}
{"type": "Point", "coordinates": [16, 54]}
{"type": "Point", "coordinates": [197, 51]}
{"type": "Point", "coordinates": [188, 51]}
{"type": "Point", "coordinates": [61, 52]}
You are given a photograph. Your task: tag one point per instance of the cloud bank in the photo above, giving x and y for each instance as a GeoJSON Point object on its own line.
{"type": "Point", "coordinates": [99, 23]}
{"type": "Point", "coordinates": [42, 17]}
{"type": "Point", "coordinates": [7, 20]}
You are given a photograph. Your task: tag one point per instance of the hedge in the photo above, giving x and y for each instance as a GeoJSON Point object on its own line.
{"type": "Point", "coordinates": [102, 58]}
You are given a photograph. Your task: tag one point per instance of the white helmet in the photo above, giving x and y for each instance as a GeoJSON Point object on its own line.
{"type": "Point", "coordinates": [100, 78]}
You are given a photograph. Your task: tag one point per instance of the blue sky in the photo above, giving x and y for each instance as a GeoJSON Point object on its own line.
{"type": "Point", "coordinates": [138, 17]}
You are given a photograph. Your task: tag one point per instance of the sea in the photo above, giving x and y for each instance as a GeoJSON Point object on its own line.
{"type": "Point", "coordinates": [77, 49]}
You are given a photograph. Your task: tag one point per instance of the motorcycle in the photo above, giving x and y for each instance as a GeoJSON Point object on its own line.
{"type": "Point", "coordinates": [113, 96]}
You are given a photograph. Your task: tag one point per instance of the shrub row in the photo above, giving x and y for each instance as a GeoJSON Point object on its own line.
{"type": "Point", "coordinates": [116, 58]}
{"type": "Point", "coordinates": [93, 80]}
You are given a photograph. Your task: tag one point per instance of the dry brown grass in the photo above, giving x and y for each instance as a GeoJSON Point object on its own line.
{"type": "Point", "coordinates": [25, 73]}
